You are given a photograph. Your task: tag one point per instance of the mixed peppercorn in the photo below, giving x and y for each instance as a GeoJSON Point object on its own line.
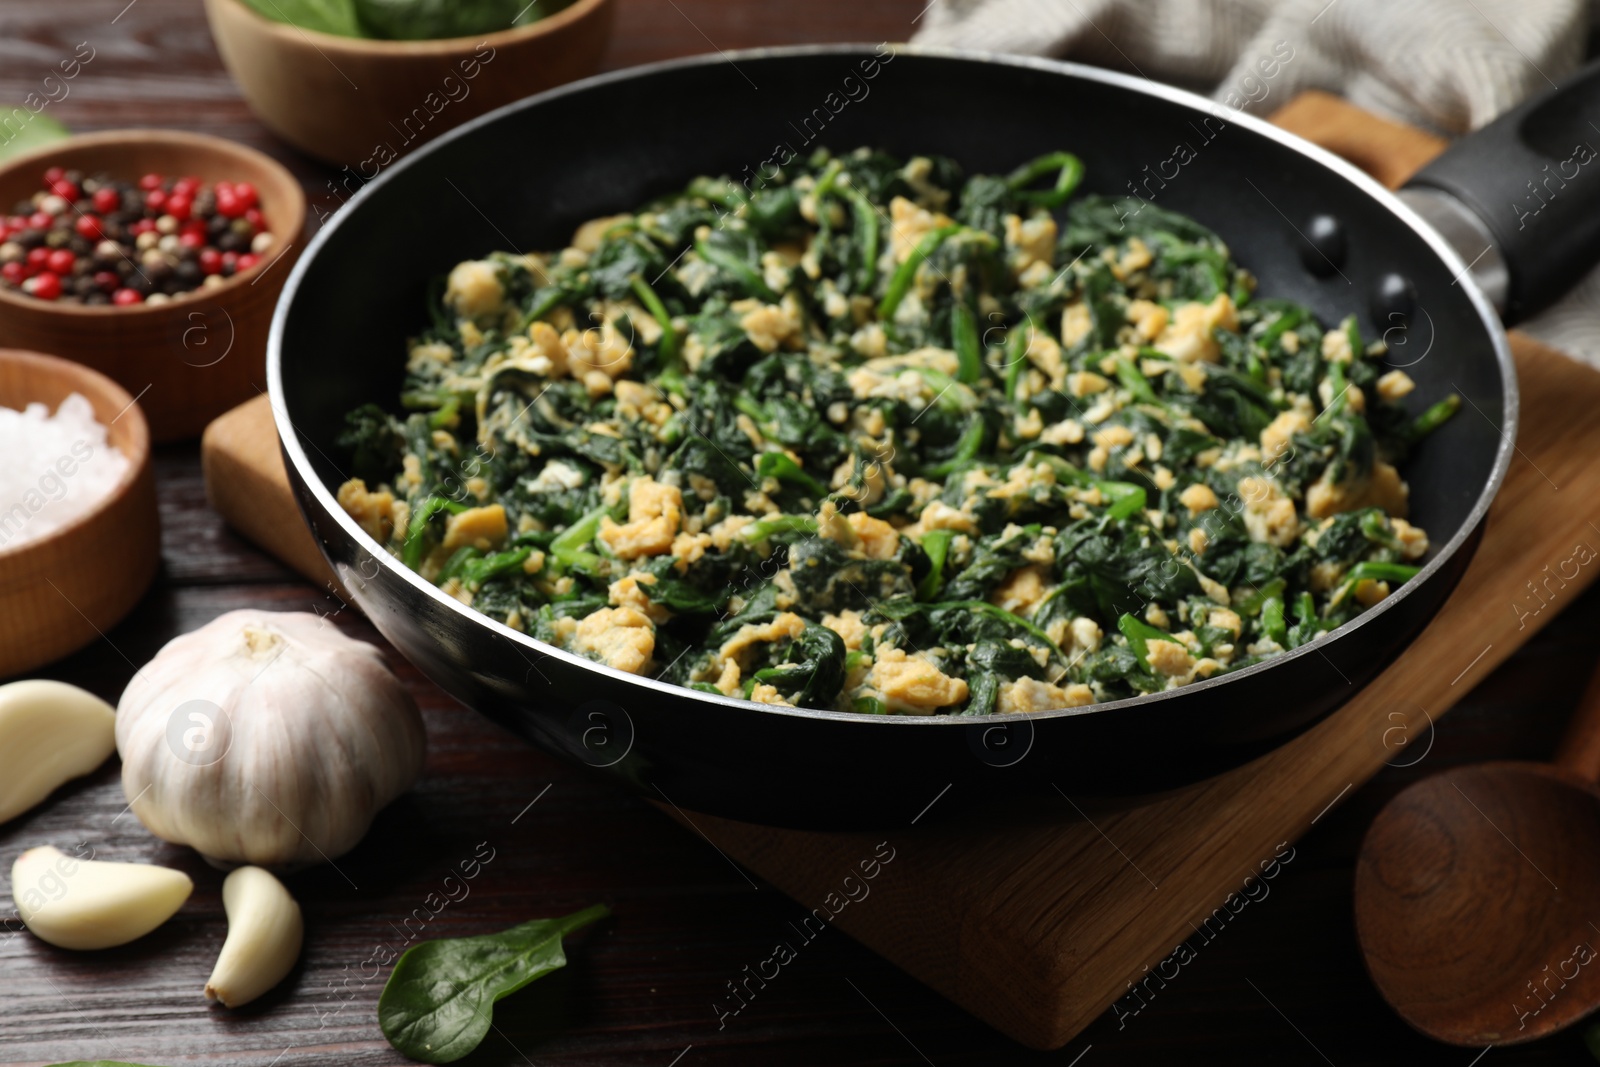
{"type": "Point", "coordinates": [102, 240]}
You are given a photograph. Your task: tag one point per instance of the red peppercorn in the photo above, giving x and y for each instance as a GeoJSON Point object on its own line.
{"type": "Point", "coordinates": [107, 200]}
{"type": "Point", "coordinates": [53, 175]}
{"type": "Point", "coordinates": [124, 297]}
{"type": "Point", "coordinates": [190, 239]}
{"type": "Point", "coordinates": [155, 200]}
{"type": "Point", "coordinates": [107, 280]}
{"type": "Point", "coordinates": [13, 273]}
{"type": "Point", "coordinates": [210, 261]}
{"type": "Point", "coordinates": [150, 181]}
{"type": "Point", "coordinates": [228, 205]}
{"type": "Point", "coordinates": [179, 204]}
{"type": "Point", "coordinates": [230, 262]}
{"type": "Point", "coordinates": [45, 286]}
{"type": "Point", "coordinates": [66, 190]}
{"type": "Point", "coordinates": [142, 226]}
{"type": "Point", "coordinates": [38, 257]}
{"type": "Point", "coordinates": [255, 218]}
{"type": "Point", "coordinates": [89, 226]}
{"type": "Point", "coordinates": [40, 220]}
{"type": "Point", "coordinates": [245, 193]}
{"type": "Point", "coordinates": [61, 261]}
{"type": "Point", "coordinates": [187, 185]}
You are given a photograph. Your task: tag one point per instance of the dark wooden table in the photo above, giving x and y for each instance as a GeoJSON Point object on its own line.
{"type": "Point", "coordinates": [1285, 985]}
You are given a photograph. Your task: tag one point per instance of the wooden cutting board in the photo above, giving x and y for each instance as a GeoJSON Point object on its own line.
{"type": "Point", "coordinates": [1040, 926]}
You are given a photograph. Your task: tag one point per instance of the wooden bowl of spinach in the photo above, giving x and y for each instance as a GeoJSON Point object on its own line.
{"type": "Point", "coordinates": [362, 82]}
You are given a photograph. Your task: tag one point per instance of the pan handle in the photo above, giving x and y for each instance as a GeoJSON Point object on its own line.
{"type": "Point", "coordinates": [1523, 196]}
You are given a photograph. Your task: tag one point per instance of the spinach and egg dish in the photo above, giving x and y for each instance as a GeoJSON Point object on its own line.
{"type": "Point", "coordinates": [877, 436]}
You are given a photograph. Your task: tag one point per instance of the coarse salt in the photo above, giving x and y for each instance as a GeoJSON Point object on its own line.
{"type": "Point", "coordinates": [54, 469]}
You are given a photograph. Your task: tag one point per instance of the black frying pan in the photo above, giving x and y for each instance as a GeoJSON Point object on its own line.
{"type": "Point", "coordinates": [524, 176]}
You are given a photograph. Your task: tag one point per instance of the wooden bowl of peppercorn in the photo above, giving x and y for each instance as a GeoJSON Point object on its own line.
{"type": "Point", "coordinates": [183, 325]}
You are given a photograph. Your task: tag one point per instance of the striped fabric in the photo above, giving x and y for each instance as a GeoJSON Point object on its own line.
{"type": "Point", "coordinates": [1446, 65]}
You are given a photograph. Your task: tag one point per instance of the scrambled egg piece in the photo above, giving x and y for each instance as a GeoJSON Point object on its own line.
{"type": "Point", "coordinates": [1269, 515]}
{"type": "Point", "coordinates": [941, 516]}
{"type": "Point", "coordinates": [636, 400]}
{"type": "Point", "coordinates": [877, 539]}
{"type": "Point", "coordinates": [549, 353]}
{"type": "Point", "coordinates": [373, 511]}
{"type": "Point", "coordinates": [1023, 590]}
{"type": "Point", "coordinates": [1086, 383]}
{"type": "Point", "coordinates": [1189, 336]}
{"type": "Point", "coordinates": [1076, 322]}
{"type": "Point", "coordinates": [623, 638]}
{"type": "Point", "coordinates": [1169, 658]}
{"type": "Point", "coordinates": [909, 224]}
{"type": "Point", "coordinates": [631, 591]}
{"type": "Point", "coordinates": [1223, 619]}
{"type": "Point", "coordinates": [1137, 257]}
{"type": "Point", "coordinates": [1413, 539]}
{"type": "Point", "coordinates": [848, 625]}
{"type": "Point", "coordinates": [912, 684]}
{"type": "Point", "coordinates": [1369, 591]}
{"type": "Point", "coordinates": [728, 681]}
{"type": "Point", "coordinates": [586, 238]}
{"type": "Point", "coordinates": [598, 356]}
{"type": "Point", "coordinates": [655, 512]}
{"type": "Point", "coordinates": [1198, 498]}
{"type": "Point", "coordinates": [1336, 347]}
{"type": "Point", "coordinates": [857, 532]}
{"type": "Point", "coordinates": [1395, 385]}
{"type": "Point", "coordinates": [482, 528]}
{"type": "Point", "coordinates": [1382, 488]}
{"type": "Point", "coordinates": [1045, 354]}
{"type": "Point", "coordinates": [688, 549]}
{"type": "Point", "coordinates": [474, 289]}
{"type": "Point", "coordinates": [729, 663]}
{"type": "Point", "coordinates": [1148, 319]}
{"type": "Point", "coordinates": [1275, 438]}
{"type": "Point", "coordinates": [771, 326]}
{"type": "Point", "coordinates": [1030, 694]}
{"type": "Point", "coordinates": [1030, 241]}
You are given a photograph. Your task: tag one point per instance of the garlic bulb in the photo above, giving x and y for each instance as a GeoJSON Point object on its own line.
{"type": "Point", "coordinates": [266, 738]}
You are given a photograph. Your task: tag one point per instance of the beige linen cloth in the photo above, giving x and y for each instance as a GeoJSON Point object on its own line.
{"type": "Point", "coordinates": [1446, 65]}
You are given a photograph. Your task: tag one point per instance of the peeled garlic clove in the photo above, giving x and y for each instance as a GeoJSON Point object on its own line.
{"type": "Point", "coordinates": [89, 904]}
{"type": "Point", "coordinates": [50, 733]}
{"type": "Point", "coordinates": [264, 934]}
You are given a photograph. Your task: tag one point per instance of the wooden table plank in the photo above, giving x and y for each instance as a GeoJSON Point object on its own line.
{"type": "Point", "coordinates": [641, 986]}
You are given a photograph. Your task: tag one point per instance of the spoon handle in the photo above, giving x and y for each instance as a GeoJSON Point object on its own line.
{"type": "Point", "coordinates": [1579, 752]}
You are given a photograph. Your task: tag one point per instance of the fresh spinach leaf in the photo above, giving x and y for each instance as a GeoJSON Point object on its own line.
{"type": "Point", "coordinates": [39, 130]}
{"type": "Point", "coordinates": [426, 20]}
{"type": "Point", "coordinates": [337, 17]}
{"type": "Point", "coordinates": [437, 1004]}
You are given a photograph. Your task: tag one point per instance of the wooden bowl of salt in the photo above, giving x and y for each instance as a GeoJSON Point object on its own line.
{"type": "Point", "coordinates": [79, 533]}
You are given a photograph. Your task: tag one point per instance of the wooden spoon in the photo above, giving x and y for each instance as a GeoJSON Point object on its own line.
{"type": "Point", "coordinates": [1477, 896]}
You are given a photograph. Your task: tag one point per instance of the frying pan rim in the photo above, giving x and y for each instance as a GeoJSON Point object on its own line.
{"type": "Point", "coordinates": [288, 434]}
